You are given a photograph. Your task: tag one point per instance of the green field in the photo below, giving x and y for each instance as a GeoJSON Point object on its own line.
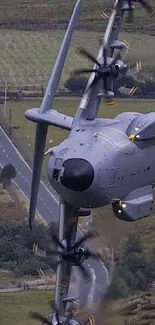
{"type": "Point", "coordinates": [16, 307]}
{"type": "Point", "coordinates": [47, 14]}
{"type": "Point", "coordinates": [31, 55]}
{"type": "Point", "coordinates": [6, 278]}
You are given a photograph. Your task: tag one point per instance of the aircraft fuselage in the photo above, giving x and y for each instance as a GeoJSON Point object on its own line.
{"type": "Point", "coordinates": [119, 165]}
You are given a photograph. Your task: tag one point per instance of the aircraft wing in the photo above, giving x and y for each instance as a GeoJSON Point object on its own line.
{"type": "Point", "coordinates": [51, 117]}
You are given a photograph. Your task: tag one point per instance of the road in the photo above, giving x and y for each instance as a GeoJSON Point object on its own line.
{"type": "Point", "coordinates": [47, 207]}
{"type": "Point", "coordinates": [16, 289]}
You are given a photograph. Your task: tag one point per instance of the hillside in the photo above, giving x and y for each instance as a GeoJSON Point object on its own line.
{"type": "Point", "coordinates": [47, 14]}
{"type": "Point", "coordinates": [136, 310]}
{"type": "Point", "coordinates": [12, 204]}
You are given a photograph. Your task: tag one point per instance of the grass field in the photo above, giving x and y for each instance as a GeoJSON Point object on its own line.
{"type": "Point", "coordinates": [6, 278]}
{"type": "Point", "coordinates": [15, 307]}
{"type": "Point", "coordinates": [31, 55]}
{"type": "Point", "coordinates": [8, 209]}
{"type": "Point", "coordinates": [46, 14]}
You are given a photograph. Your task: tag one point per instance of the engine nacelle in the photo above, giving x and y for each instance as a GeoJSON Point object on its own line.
{"type": "Point", "coordinates": [120, 64]}
{"type": "Point", "coordinates": [136, 205]}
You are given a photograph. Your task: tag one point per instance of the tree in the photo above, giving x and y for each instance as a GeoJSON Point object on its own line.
{"type": "Point", "coordinates": [133, 244]}
{"type": "Point", "coordinates": [118, 289]}
{"type": "Point", "coordinates": [137, 263]}
{"type": "Point", "coordinates": [124, 273]}
{"type": "Point", "coordinates": [76, 85]}
{"type": "Point", "coordinates": [16, 243]}
{"type": "Point", "coordinates": [30, 266]}
{"type": "Point", "coordinates": [7, 174]}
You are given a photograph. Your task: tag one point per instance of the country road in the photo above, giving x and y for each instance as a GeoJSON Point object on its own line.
{"type": "Point", "coordinates": [17, 289]}
{"type": "Point", "coordinates": [130, 99]}
{"type": "Point", "coordinates": [47, 208]}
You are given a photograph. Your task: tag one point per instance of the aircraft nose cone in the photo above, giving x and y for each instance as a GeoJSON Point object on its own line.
{"type": "Point", "coordinates": [78, 174]}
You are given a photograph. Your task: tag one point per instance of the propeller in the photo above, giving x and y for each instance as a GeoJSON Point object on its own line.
{"type": "Point", "coordinates": [103, 72]}
{"type": "Point", "coordinates": [106, 70]}
{"type": "Point", "coordinates": [71, 253]}
{"type": "Point", "coordinates": [46, 320]}
{"type": "Point", "coordinates": [41, 318]}
{"type": "Point", "coordinates": [127, 91]}
{"type": "Point", "coordinates": [133, 69]}
{"type": "Point", "coordinates": [90, 321]}
{"type": "Point", "coordinates": [144, 4]}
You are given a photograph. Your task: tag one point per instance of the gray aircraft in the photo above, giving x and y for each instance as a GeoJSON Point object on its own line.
{"type": "Point", "coordinates": [102, 161]}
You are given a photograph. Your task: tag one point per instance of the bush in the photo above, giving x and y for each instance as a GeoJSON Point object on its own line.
{"type": "Point", "coordinates": [118, 289]}
{"type": "Point", "coordinates": [133, 244]}
{"type": "Point", "coordinates": [16, 243]}
{"type": "Point", "coordinates": [134, 269]}
{"type": "Point", "coordinates": [125, 274]}
{"type": "Point", "coordinates": [76, 85]}
{"type": "Point", "coordinates": [145, 89]}
{"type": "Point", "coordinates": [30, 266]}
{"type": "Point", "coordinates": [10, 266]}
{"type": "Point", "coordinates": [7, 174]}
{"type": "Point", "coordinates": [137, 263]}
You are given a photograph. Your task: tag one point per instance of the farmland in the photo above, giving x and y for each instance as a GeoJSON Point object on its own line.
{"type": "Point", "coordinates": [31, 55]}
{"type": "Point", "coordinates": [42, 14]}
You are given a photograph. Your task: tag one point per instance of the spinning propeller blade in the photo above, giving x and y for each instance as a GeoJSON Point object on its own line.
{"type": "Point", "coordinates": [144, 4]}
{"type": "Point", "coordinates": [57, 316]}
{"type": "Point", "coordinates": [147, 7]}
{"type": "Point", "coordinates": [41, 318]}
{"type": "Point", "coordinates": [83, 71]}
{"type": "Point", "coordinates": [134, 68]}
{"type": "Point", "coordinates": [45, 320]}
{"type": "Point", "coordinates": [70, 253]}
{"type": "Point", "coordinates": [89, 235]}
{"type": "Point", "coordinates": [88, 55]}
{"type": "Point", "coordinates": [104, 72]}
{"type": "Point", "coordinates": [57, 241]}
{"type": "Point", "coordinates": [104, 15]}
{"type": "Point", "coordinates": [46, 105]}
